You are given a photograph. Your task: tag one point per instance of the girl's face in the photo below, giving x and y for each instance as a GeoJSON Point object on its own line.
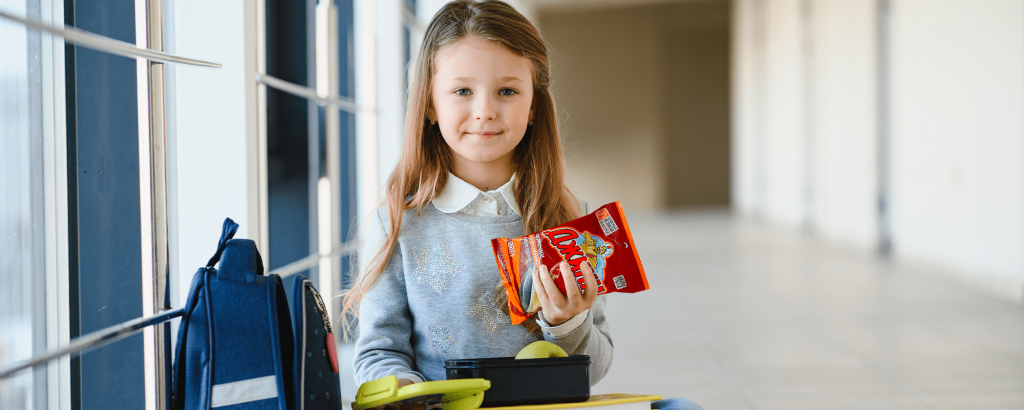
{"type": "Point", "coordinates": [482, 96]}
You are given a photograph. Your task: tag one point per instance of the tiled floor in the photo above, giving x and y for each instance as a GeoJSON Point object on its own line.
{"type": "Point", "coordinates": [745, 315]}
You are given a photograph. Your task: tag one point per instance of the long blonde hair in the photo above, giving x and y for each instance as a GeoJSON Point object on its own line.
{"type": "Point", "coordinates": [422, 171]}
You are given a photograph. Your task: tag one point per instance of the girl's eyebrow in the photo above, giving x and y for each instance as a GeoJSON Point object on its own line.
{"type": "Point", "coordinates": [503, 79]}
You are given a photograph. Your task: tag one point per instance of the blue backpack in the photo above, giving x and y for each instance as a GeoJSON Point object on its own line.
{"type": "Point", "coordinates": [236, 346]}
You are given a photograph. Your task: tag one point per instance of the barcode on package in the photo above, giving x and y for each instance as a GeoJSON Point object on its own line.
{"type": "Point", "coordinates": [620, 282]}
{"type": "Point", "coordinates": [607, 223]}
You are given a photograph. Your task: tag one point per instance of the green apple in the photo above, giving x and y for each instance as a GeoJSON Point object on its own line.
{"type": "Point", "coordinates": [541, 349]}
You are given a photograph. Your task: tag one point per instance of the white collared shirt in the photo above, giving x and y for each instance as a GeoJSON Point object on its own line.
{"type": "Point", "coordinates": [461, 196]}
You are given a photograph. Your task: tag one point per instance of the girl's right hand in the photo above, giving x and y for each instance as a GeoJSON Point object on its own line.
{"type": "Point", "coordinates": [404, 382]}
{"type": "Point", "coordinates": [559, 308]}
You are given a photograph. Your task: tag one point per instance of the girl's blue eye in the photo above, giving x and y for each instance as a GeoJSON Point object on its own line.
{"type": "Point", "coordinates": [507, 92]}
{"type": "Point", "coordinates": [463, 91]}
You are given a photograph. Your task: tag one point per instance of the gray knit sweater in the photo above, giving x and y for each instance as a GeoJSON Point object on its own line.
{"type": "Point", "coordinates": [435, 301]}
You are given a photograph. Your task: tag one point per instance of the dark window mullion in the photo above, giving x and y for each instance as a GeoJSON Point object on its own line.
{"type": "Point", "coordinates": [104, 209]}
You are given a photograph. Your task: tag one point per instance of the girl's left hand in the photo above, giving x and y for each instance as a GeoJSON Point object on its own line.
{"type": "Point", "coordinates": [557, 307]}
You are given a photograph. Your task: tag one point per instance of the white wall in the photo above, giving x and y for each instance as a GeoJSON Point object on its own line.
{"type": "Point", "coordinates": [207, 132]}
{"type": "Point", "coordinates": [380, 93]}
{"type": "Point", "coordinates": [391, 86]}
{"type": "Point", "coordinates": [844, 127]}
{"type": "Point", "coordinates": [958, 137]}
{"type": "Point", "coordinates": [746, 72]}
{"type": "Point", "coordinates": [783, 127]}
{"type": "Point", "coordinates": [804, 115]}
{"type": "Point", "coordinates": [807, 122]}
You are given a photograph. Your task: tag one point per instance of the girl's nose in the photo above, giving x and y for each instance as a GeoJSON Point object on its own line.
{"type": "Point", "coordinates": [485, 110]}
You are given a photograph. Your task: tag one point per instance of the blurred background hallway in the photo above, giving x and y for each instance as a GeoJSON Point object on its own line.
{"type": "Point", "coordinates": [828, 195]}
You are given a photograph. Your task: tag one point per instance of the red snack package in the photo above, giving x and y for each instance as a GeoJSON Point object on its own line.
{"type": "Point", "coordinates": [601, 238]}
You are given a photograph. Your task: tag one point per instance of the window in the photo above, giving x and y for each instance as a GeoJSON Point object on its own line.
{"type": "Point", "coordinates": [310, 138]}
{"type": "Point", "coordinates": [71, 229]}
{"type": "Point", "coordinates": [33, 245]}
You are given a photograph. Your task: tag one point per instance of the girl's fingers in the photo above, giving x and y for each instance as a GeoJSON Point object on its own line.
{"type": "Point", "coordinates": [553, 294]}
{"type": "Point", "coordinates": [591, 280]}
{"type": "Point", "coordinates": [572, 290]}
{"type": "Point", "coordinates": [538, 285]}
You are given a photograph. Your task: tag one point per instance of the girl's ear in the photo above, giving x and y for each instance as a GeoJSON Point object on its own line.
{"type": "Point", "coordinates": [432, 115]}
{"type": "Point", "coordinates": [531, 115]}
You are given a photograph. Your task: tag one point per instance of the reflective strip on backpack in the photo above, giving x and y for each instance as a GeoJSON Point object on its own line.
{"type": "Point", "coordinates": [244, 391]}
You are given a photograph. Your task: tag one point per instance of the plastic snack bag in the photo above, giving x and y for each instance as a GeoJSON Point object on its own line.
{"type": "Point", "coordinates": [601, 238]}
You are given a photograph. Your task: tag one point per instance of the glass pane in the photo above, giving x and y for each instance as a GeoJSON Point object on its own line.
{"type": "Point", "coordinates": [291, 135]}
{"type": "Point", "coordinates": [23, 292]}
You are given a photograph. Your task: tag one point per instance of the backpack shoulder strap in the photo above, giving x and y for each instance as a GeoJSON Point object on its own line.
{"type": "Point", "coordinates": [227, 232]}
{"type": "Point", "coordinates": [196, 290]}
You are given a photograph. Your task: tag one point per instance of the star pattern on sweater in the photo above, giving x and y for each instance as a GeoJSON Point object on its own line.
{"type": "Point", "coordinates": [441, 338]}
{"type": "Point", "coordinates": [487, 313]}
{"type": "Point", "coordinates": [435, 267]}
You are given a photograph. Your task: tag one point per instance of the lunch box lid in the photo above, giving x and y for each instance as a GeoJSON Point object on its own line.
{"type": "Point", "coordinates": [460, 394]}
{"type": "Point", "coordinates": [506, 362]}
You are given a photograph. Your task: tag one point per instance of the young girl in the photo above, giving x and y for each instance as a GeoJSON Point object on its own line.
{"type": "Point", "coordinates": [481, 160]}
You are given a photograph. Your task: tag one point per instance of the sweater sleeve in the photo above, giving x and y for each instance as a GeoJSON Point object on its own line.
{"type": "Point", "coordinates": [384, 346]}
{"type": "Point", "coordinates": [593, 337]}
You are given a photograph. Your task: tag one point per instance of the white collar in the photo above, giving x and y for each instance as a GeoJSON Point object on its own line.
{"type": "Point", "coordinates": [458, 193]}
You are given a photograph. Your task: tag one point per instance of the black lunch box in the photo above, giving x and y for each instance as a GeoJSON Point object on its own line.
{"type": "Point", "coordinates": [527, 381]}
